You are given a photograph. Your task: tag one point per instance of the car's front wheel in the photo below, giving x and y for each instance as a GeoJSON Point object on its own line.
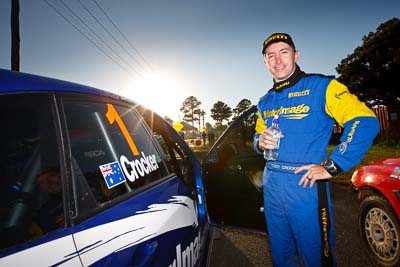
{"type": "Point", "coordinates": [380, 230]}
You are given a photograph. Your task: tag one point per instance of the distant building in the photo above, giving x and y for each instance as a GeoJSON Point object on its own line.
{"type": "Point", "coordinates": [388, 116]}
{"type": "Point", "coordinates": [189, 131]}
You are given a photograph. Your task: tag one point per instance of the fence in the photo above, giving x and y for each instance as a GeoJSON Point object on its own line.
{"type": "Point", "coordinates": [382, 115]}
{"type": "Point", "coordinates": [388, 117]}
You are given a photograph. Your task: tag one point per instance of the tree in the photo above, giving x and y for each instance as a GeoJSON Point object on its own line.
{"type": "Point", "coordinates": [200, 117]}
{"type": "Point", "coordinates": [371, 71]}
{"type": "Point", "coordinates": [241, 107]}
{"type": "Point", "coordinates": [190, 108]}
{"type": "Point", "coordinates": [221, 112]}
{"type": "Point", "coordinates": [247, 127]}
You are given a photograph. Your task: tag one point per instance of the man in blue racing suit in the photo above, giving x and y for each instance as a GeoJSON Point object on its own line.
{"type": "Point", "coordinates": [299, 214]}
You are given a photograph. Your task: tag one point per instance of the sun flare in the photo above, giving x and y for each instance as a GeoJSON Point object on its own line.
{"type": "Point", "coordinates": [159, 92]}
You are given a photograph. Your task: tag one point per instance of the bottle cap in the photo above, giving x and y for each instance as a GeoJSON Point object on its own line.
{"type": "Point", "coordinates": [276, 119]}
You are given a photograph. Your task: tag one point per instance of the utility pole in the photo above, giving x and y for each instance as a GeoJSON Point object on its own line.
{"type": "Point", "coordinates": [15, 35]}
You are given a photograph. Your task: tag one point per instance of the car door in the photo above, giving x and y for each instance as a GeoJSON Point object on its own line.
{"type": "Point", "coordinates": [182, 162]}
{"type": "Point", "coordinates": [133, 205]}
{"type": "Point", "coordinates": [233, 176]}
{"type": "Point", "coordinates": [34, 222]}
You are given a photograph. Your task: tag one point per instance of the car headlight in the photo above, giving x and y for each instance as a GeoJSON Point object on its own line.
{"type": "Point", "coordinates": [353, 177]}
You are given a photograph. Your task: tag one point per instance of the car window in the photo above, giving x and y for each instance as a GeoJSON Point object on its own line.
{"type": "Point", "coordinates": [179, 161]}
{"type": "Point", "coordinates": [30, 179]}
{"type": "Point", "coordinates": [112, 152]}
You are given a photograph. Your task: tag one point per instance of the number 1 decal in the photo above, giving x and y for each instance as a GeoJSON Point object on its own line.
{"type": "Point", "coordinates": [112, 116]}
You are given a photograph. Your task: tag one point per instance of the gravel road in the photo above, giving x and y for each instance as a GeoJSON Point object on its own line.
{"type": "Point", "coordinates": [237, 248]}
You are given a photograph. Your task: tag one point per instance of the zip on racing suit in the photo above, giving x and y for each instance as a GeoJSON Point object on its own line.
{"type": "Point", "coordinates": [299, 220]}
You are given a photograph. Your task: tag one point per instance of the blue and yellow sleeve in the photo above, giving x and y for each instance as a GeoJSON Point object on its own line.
{"type": "Point", "coordinates": [359, 122]}
{"type": "Point", "coordinates": [260, 127]}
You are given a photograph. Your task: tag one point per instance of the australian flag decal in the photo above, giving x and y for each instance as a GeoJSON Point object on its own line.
{"type": "Point", "coordinates": [112, 174]}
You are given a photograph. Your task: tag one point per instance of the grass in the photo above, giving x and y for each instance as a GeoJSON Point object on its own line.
{"type": "Point", "coordinates": [375, 152]}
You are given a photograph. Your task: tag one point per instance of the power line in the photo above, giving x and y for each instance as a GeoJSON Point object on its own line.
{"type": "Point", "coordinates": [76, 28]}
{"type": "Point", "coordinates": [78, 24]}
{"type": "Point", "coordinates": [110, 34]}
{"type": "Point", "coordinates": [126, 39]}
{"type": "Point", "coordinates": [101, 39]}
{"type": "Point", "coordinates": [91, 40]}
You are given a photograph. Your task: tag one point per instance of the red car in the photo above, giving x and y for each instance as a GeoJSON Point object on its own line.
{"type": "Point", "coordinates": [378, 186]}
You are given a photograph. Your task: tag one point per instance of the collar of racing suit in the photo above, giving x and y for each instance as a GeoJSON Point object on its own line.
{"type": "Point", "coordinates": [293, 79]}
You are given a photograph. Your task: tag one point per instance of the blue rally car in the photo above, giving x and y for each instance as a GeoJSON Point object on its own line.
{"type": "Point", "coordinates": [89, 178]}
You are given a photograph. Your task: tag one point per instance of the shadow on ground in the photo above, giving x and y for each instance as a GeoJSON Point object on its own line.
{"type": "Point", "coordinates": [237, 248]}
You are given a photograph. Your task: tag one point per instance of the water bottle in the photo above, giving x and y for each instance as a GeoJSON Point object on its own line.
{"type": "Point", "coordinates": [272, 154]}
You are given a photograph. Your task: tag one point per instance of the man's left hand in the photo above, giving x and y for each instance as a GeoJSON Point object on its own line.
{"type": "Point", "coordinates": [313, 173]}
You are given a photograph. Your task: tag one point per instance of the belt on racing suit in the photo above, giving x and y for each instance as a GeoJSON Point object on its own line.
{"type": "Point", "coordinates": [323, 211]}
{"type": "Point", "coordinates": [282, 166]}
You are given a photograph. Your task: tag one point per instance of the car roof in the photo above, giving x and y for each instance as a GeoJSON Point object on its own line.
{"type": "Point", "coordinates": [19, 82]}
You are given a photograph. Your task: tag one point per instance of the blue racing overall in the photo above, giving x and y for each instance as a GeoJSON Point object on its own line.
{"type": "Point", "coordinates": [299, 220]}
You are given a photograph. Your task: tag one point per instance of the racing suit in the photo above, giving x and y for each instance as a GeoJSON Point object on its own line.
{"type": "Point", "coordinates": [299, 220]}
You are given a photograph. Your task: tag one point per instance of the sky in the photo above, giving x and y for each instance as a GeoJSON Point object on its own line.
{"type": "Point", "coordinates": [172, 49]}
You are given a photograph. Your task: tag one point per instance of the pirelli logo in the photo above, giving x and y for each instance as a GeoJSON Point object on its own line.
{"type": "Point", "coordinates": [276, 36]}
{"type": "Point", "coordinates": [297, 94]}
